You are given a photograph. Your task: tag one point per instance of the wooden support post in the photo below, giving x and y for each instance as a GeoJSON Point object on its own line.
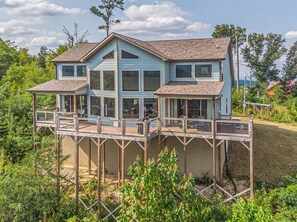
{"type": "Point", "coordinates": [103, 163]}
{"type": "Point", "coordinates": [123, 161]}
{"type": "Point", "coordinates": [119, 166]}
{"type": "Point", "coordinates": [74, 104]}
{"type": "Point", "coordinates": [185, 155]}
{"type": "Point", "coordinates": [251, 160]}
{"type": "Point", "coordinates": [76, 159]}
{"type": "Point", "coordinates": [159, 124]}
{"type": "Point", "coordinates": [145, 153]}
{"type": "Point", "coordinates": [58, 150]}
{"type": "Point", "coordinates": [34, 131]}
{"type": "Point", "coordinates": [99, 173]}
{"type": "Point", "coordinates": [214, 160]}
{"type": "Point", "coordinates": [90, 156]}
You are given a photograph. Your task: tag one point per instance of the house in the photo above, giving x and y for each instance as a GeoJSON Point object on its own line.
{"type": "Point", "coordinates": [272, 84]}
{"type": "Point", "coordinates": [129, 98]}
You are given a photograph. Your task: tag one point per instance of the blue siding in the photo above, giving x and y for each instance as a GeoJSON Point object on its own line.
{"type": "Point", "coordinates": [227, 89]}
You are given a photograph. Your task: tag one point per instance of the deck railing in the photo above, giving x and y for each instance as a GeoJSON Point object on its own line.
{"type": "Point", "coordinates": [130, 127]}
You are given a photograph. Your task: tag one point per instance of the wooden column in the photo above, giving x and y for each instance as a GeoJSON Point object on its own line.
{"type": "Point", "coordinates": [251, 160]}
{"type": "Point", "coordinates": [103, 162]}
{"type": "Point", "coordinates": [159, 123]}
{"type": "Point", "coordinates": [58, 150]}
{"type": "Point", "coordinates": [90, 156]}
{"type": "Point", "coordinates": [119, 166]}
{"type": "Point", "coordinates": [99, 173]}
{"type": "Point", "coordinates": [76, 159]}
{"type": "Point", "coordinates": [123, 161]}
{"type": "Point", "coordinates": [74, 104]}
{"type": "Point", "coordinates": [34, 113]}
{"type": "Point", "coordinates": [214, 161]}
{"type": "Point", "coordinates": [145, 153]}
{"type": "Point", "coordinates": [185, 155]}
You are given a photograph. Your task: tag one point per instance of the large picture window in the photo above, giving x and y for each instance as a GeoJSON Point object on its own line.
{"type": "Point", "coordinates": [131, 108]}
{"type": "Point", "coordinates": [197, 108]}
{"type": "Point", "coordinates": [108, 80]}
{"type": "Point", "coordinates": [95, 106]}
{"type": "Point", "coordinates": [68, 71]}
{"type": "Point", "coordinates": [183, 71]}
{"type": "Point", "coordinates": [81, 71]}
{"type": "Point", "coordinates": [130, 80]}
{"type": "Point", "coordinates": [150, 108]}
{"type": "Point", "coordinates": [151, 80]}
{"type": "Point", "coordinates": [95, 80]}
{"type": "Point", "coordinates": [109, 107]}
{"type": "Point", "coordinates": [203, 70]}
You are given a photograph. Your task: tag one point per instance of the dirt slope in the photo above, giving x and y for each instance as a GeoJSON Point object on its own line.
{"type": "Point", "coordinates": [275, 152]}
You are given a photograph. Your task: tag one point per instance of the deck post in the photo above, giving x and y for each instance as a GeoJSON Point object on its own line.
{"type": "Point", "coordinates": [145, 153]}
{"type": "Point", "coordinates": [185, 154]}
{"type": "Point", "coordinates": [90, 156]}
{"type": "Point", "coordinates": [99, 125]}
{"type": "Point", "coordinates": [159, 123]}
{"type": "Point", "coordinates": [123, 161]}
{"type": "Point", "coordinates": [76, 159]}
{"type": "Point", "coordinates": [99, 173]}
{"type": "Point", "coordinates": [74, 104]}
{"type": "Point", "coordinates": [119, 166]}
{"type": "Point", "coordinates": [103, 162]}
{"type": "Point", "coordinates": [214, 161]}
{"type": "Point", "coordinates": [251, 160]}
{"type": "Point", "coordinates": [34, 131]}
{"type": "Point", "coordinates": [57, 144]}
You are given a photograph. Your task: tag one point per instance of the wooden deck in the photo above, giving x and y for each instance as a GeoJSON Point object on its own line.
{"type": "Point", "coordinates": [65, 124]}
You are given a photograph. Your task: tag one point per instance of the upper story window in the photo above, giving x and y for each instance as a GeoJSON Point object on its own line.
{"type": "Point", "coordinates": [183, 71]}
{"type": "Point", "coordinates": [203, 70]}
{"type": "Point", "coordinates": [108, 80]}
{"type": "Point", "coordinates": [151, 80]}
{"type": "Point", "coordinates": [130, 80]}
{"type": "Point", "coordinates": [81, 71]}
{"type": "Point", "coordinates": [128, 55]}
{"type": "Point", "coordinates": [95, 80]}
{"type": "Point", "coordinates": [68, 71]}
{"type": "Point", "coordinates": [109, 55]}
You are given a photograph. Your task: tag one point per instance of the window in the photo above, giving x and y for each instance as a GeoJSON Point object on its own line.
{"type": "Point", "coordinates": [95, 80]}
{"type": "Point", "coordinates": [131, 108]}
{"type": "Point", "coordinates": [81, 70]}
{"type": "Point", "coordinates": [82, 106]}
{"type": "Point", "coordinates": [109, 55]}
{"type": "Point", "coordinates": [151, 80]}
{"type": "Point", "coordinates": [108, 78]}
{"type": "Point", "coordinates": [128, 55]}
{"type": "Point", "coordinates": [183, 71]}
{"type": "Point", "coordinates": [203, 70]}
{"type": "Point", "coordinates": [130, 80]}
{"type": "Point", "coordinates": [67, 70]}
{"type": "Point", "coordinates": [109, 107]}
{"type": "Point", "coordinates": [197, 108]}
{"type": "Point", "coordinates": [150, 107]}
{"type": "Point", "coordinates": [95, 106]}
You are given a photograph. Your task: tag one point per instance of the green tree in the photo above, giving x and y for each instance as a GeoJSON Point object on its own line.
{"type": "Point", "coordinates": [238, 37]}
{"type": "Point", "coordinates": [106, 12]}
{"type": "Point", "coordinates": [8, 56]}
{"type": "Point", "coordinates": [158, 192]}
{"type": "Point", "coordinates": [261, 54]}
{"type": "Point", "coordinates": [290, 67]}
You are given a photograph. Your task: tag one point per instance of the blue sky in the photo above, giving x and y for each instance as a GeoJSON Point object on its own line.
{"type": "Point", "coordinates": [33, 23]}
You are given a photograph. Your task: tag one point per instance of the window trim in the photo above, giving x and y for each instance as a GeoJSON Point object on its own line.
{"type": "Point", "coordinates": [74, 71]}
{"type": "Point", "coordinates": [114, 80]}
{"type": "Point", "coordinates": [190, 64]}
{"type": "Point", "coordinates": [143, 79]}
{"type": "Point", "coordinates": [130, 53]}
{"type": "Point", "coordinates": [204, 64]}
{"type": "Point", "coordinates": [139, 81]}
{"type": "Point", "coordinates": [139, 113]}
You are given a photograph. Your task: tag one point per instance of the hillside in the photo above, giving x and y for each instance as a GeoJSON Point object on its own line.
{"type": "Point", "coordinates": [275, 153]}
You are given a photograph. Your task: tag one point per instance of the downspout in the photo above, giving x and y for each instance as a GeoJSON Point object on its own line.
{"type": "Point", "coordinates": [118, 79]}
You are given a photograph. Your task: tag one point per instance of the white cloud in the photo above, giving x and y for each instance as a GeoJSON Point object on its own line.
{"type": "Point", "coordinates": [165, 19]}
{"type": "Point", "coordinates": [291, 35]}
{"type": "Point", "coordinates": [36, 8]}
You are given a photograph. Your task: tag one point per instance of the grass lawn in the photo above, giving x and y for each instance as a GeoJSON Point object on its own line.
{"type": "Point", "coordinates": [275, 153]}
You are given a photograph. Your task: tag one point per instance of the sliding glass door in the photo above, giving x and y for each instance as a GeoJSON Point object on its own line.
{"type": "Point", "coordinates": [191, 108]}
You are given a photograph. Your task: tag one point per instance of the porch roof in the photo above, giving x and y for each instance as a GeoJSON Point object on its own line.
{"type": "Point", "coordinates": [60, 86]}
{"type": "Point", "coordinates": [191, 88]}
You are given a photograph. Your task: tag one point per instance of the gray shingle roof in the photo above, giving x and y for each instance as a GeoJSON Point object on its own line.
{"type": "Point", "coordinates": [191, 88]}
{"type": "Point", "coordinates": [184, 49]}
{"type": "Point", "coordinates": [76, 53]}
{"type": "Point", "coordinates": [60, 86]}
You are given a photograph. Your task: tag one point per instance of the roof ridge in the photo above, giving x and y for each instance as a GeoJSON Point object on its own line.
{"type": "Point", "coordinates": [168, 40]}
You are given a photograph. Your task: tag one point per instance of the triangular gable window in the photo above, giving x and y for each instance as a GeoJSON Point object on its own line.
{"type": "Point", "coordinates": [128, 55]}
{"type": "Point", "coordinates": [109, 55]}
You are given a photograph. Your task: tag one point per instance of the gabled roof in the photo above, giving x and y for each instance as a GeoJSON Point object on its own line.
{"type": "Point", "coordinates": [184, 49]}
{"type": "Point", "coordinates": [60, 86]}
{"type": "Point", "coordinates": [76, 53]}
{"type": "Point", "coordinates": [191, 88]}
